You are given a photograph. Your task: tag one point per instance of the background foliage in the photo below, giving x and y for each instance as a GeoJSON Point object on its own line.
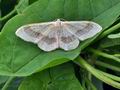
{"type": "Point", "coordinates": [96, 56]}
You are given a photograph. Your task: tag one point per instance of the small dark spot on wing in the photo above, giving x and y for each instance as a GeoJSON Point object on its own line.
{"type": "Point", "coordinates": [68, 39]}
{"type": "Point", "coordinates": [48, 40]}
{"type": "Point", "coordinates": [85, 29]}
{"type": "Point", "coordinates": [32, 33]}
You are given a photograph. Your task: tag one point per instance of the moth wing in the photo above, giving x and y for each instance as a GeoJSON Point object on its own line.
{"type": "Point", "coordinates": [83, 29]}
{"type": "Point", "coordinates": [67, 40]}
{"type": "Point", "coordinates": [32, 32]}
{"type": "Point", "coordinates": [49, 41]}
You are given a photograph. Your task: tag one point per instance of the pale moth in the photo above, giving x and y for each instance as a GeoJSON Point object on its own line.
{"type": "Point", "coordinates": [58, 34]}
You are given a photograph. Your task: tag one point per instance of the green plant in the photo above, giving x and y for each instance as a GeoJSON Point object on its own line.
{"type": "Point", "coordinates": [58, 69]}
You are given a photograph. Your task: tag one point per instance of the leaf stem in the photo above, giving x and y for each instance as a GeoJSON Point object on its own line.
{"type": "Point", "coordinates": [96, 73]}
{"type": "Point", "coordinates": [117, 55]}
{"type": "Point", "coordinates": [108, 31]}
{"type": "Point", "coordinates": [5, 87]}
{"type": "Point", "coordinates": [107, 66]}
{"type": "Point", "coordinates": [100, 53]}
{"type": "Point", "coordinates": [116, 78]}
{"type": "Point", "coordinates": [8, 15]}
{"type": "Point", "coordinates": [89, 83]}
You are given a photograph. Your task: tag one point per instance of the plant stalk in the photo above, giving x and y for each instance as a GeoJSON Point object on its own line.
{"type": "Point", "coordinates": [5, 87]}
{"type": "Point", "coordinates": [8, 15]}
{"type": "Point", "coordinates": [96, 73]}
{"type": "Point", "coordinates": [106, 65]}
{"type": "Point", "coordinates": [100, 53]}
{"type": "Point", "coordinates": [108, 31]}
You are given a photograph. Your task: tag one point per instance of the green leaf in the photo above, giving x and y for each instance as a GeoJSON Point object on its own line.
{"type": "Point", "coordinates": [20, 58]}
{"type": "Point", "coordinates": [58, 78]}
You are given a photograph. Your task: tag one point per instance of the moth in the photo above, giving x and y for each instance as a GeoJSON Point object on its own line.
{"type": "Point", "coordinates": [58, 34]}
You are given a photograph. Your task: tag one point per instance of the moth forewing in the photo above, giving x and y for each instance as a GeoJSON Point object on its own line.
{"type": "Point", "coordinates": [27, 34]}
{"type": "Point", "coordinates": [33, 32]}
{"type": "Point", "coordinates": [83, 29]}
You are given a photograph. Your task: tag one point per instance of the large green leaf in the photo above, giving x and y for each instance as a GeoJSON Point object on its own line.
{"type": "Point", "coordinates": [58, 78]}
{"type": "Point", "coordinates": [20, 58]}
